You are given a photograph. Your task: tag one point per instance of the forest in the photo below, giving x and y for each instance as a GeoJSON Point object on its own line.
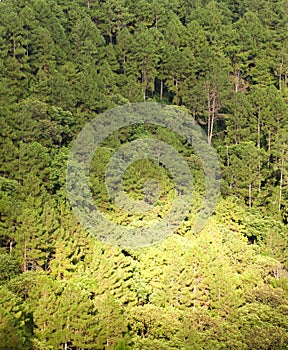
{"type": "Point", "coordinates": [63, 63]}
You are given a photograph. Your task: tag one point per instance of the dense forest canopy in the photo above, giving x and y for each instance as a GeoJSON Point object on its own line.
{"type": "Point", "coordinates": [62, 64]}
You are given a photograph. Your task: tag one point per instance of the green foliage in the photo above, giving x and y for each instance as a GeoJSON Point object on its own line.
{"type": "Point", "coordinates": [9, 268]}
{"type": "Point", "coordinates": [121, 346]}
{"type": "Point", "coordinates": [64, 62]}
{"type": "Point", "coordinates": [14, 333]}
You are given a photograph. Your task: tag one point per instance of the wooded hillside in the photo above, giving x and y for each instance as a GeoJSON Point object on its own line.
{"type": "Point", "coordinates": [62, 64]}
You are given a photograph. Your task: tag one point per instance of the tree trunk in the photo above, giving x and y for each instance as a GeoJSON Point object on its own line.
{"type": "Point", "coordinates": [281, 181]}
{"type": "Point", "coordinates": [259, 148]}
{"type": "Point", "coordinates": [209, 116]}
{"type": "Point", "coordinates": [269, 148]}
{"type": "Point", "coordinates": [280, 73]}
{"type": "Point", "coordinates": [11, 246]}
{"type": "Point", "coordinates": [211, 105]}
{"type": "Point", "coordinates": [14, 48]}
{"type": "Point", "coordinates": [25, 255]}
{"type": "Point", "coordinates": [176, 92]}
{"type": "Point", "coordinates": [161, 89]}
{"type": "Point", "coordinates": [124, 61]}
{"type": "Point", "coordinates": [227, 156]}
{"type": "Point", "coordinates": [259, 130]}
{"type": "Point", "coordinates": [237, 80]}
{"type": "Point", "coordinates": [213, 115]}
{"type": "Point", "coordinates": [250, 195]}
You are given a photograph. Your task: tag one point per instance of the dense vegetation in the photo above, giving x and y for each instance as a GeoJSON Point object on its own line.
{"type": "Point", "coordinates": [62, 62]}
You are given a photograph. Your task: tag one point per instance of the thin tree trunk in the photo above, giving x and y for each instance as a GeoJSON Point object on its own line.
{"type": "Point", "coordinates": [156, 23]}
{"type": "Point", "coordinates": [143, 78]}
{"type": "Point", "coordinates": [124, 61]}
{"type": "Point", "coordinates": [209, 115]}
{"type": "Point", "coordinates": [237, 80]}
{"type": "Point", "coordinates": [14, 48]}
{"type": "Point", "coordinates": [161, 89]}
{"type": "Point", "coordinates": [176, 93]}
{"type": "Point", "coordinates": [211, 129]}
{"type": "Point", "coordinates": [280, 74]}
{"type": "Point", "coordinates": [227, 156]}
{"type": "Point", "coordinates": [213, 115]}
{"type": "Point", "coordinates": [250, 195]}
{"type": "Point", "coordinates": [10, 246]}
{"type": "Point", "coordinates": [281, 180]}
{"type": "Point", "coordinates": [259, 149]}
{"type": "Point", "coordinates": [269, 148]}
{"type": "Point", "coordinates": [25, 255]}
{"type": "Point", "coordinates": [259, 131]}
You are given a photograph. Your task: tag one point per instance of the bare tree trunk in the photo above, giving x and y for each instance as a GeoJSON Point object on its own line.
{"type": "Point", "coordinates": [176, 92]}
{"type": "Point", "coordinates": [281, 180]}
{"type": "Point", "coordinates": [280, 73]}
{"type": "Point", "coordinates": [14, 48]}
{"type": "Point", "coordinates": [213, 114]}
{"type": "Point", "coordinates": [211, 105]}
{"type": "Point", "coordinates": [209, 116]}
{"type": "Point", "coordinates": [11, 246]}
{"type": "Point", "coordinates": [25, 255]}
{"type": "Point", "coordinates": [269, 148]}
{"type": "Point", "coordinates": [143, 78]}
{"type": "Point", "coordinates": [259, 149]}
{"type": "Point", "coordinates": [250, 196]}
{"type": "Point", "coordinates": [161, 89]}
{"type": "Point", "coordinates": [227, 156]}
{"type": "Point", "coordinates": [237, 80]}
{"type": "Point", "coordinates": [156, 22]}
